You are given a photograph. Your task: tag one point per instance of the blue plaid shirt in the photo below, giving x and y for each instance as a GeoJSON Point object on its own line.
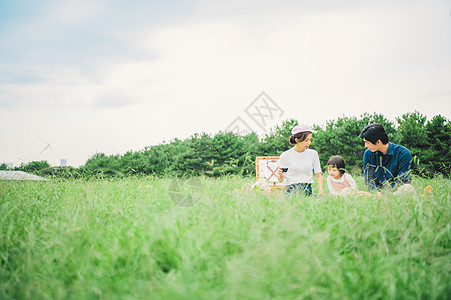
{"type": "Point", "coordinates": [392, 168]}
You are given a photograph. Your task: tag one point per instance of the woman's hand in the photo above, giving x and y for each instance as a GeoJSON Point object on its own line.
{"type": "Point", "coordinates": [279, 175]}
{"type": "Point", "coordinates": [319, 179]}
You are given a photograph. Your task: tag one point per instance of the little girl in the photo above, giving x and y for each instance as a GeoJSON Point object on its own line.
{"type": "Point", "coordinates": [338, 181]}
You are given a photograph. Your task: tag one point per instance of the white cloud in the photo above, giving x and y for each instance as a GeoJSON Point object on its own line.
{"type": "Point", "coordinates": [199, 73]}
{"type": "Point", "coordinates": [74, 11]}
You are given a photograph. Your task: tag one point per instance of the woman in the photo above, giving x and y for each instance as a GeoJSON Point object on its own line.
{"type": "Point", "coordinates": [296, 166]}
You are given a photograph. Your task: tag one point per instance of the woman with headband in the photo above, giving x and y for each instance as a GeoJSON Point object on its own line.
{"type": "Point", "coordinates": [297, 165]}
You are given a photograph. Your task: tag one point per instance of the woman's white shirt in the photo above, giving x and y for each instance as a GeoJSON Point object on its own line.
{"type": "Point", "coordinates": [301, 165]}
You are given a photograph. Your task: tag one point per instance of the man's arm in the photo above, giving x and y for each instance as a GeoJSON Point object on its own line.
{"type": "Point", "coordinates": [404, 168]}
{"type": "Point", "coordinates": [368, 171]}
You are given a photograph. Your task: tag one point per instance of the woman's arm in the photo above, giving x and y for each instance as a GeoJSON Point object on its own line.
{"type": "Point", "coordinates": [319, 179]}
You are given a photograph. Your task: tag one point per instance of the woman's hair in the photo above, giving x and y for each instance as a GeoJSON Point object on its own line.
{"type": "Point", "coordinates": [373, 133]}
{"type": "Point", "coordinates": [338, 162]}
{"type": "Point", "coordinates": [301, 136]}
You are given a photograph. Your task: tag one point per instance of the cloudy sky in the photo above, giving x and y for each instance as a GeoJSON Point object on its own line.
{"type": "Point", "coordinates": [111, 76]}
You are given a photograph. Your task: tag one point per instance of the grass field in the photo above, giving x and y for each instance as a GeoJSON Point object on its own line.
{"type": "Point", "coordinates": [127, 239]}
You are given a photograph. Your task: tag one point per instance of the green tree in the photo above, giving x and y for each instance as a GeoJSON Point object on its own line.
{"type": "Point", "coordinates": [251, 148]}
{"type": "Point", "coordinates": [412, 135]}
{"type": "Point", "coordinates": [160, 158]}
{"type": "Point", "coordinates": [411, 132]}
{"type": "Point", "coordinates": [227, 148]}
{"type": "Point", "coordinates": [33, 166]}
{"type": "Point", "coordinates": [277, 140]}
{"type": "Point", "coordinates": [389, 126]}
{"type": "Point", "coordinates": [339, 137]}
{"type": "Point", "coordinates": [438, 140]}
{"type": "Point", "coordinates": [134, 162]}
{"type": "Point", "coordinates": [186, 160]}
{"type": "Point", "coordinates": [228, 153]}
{"type": "Point", "coordinates": [101, 164]}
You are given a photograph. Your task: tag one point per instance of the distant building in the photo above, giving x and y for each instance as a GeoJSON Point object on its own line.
{"type": "Point", "coordinates": [63, 162]}
{"type": "Point", "coordinates": [9, 165]}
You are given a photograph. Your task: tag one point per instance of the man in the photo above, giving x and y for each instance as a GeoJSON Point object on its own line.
{"type": "Point", "coordinates": [384, 164]}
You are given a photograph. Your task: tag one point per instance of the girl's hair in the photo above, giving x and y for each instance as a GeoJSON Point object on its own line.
{"type": "Point", "coordinates": [301, 136]}
{"type": "Point", "coordinates": [338, 162]}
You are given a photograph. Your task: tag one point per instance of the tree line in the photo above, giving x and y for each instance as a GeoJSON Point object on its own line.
{"type": "Point", "coordinates": [229, 153]}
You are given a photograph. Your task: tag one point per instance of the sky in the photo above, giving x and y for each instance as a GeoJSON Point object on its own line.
{"type": "Point", "coordinates": [80, 77]}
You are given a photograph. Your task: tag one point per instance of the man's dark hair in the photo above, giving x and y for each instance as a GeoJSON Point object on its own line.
{"type": "Point", "coordinates": [373, 133]}
{"type": "Point", "coordinates": [338, 162]}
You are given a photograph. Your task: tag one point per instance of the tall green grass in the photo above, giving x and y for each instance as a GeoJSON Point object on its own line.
{"type": "Point", "coordinates": [127, 239]}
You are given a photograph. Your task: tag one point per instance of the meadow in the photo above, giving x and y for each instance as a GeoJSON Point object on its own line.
{"type": "Point", "coordinates": [133, 239]}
